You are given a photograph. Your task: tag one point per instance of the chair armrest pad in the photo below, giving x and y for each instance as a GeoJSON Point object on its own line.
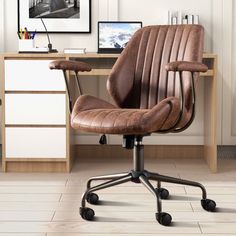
{"type": "Point", "coordinates": [69, 65]}
{"type": "Point", "coordinates": [186, 66]}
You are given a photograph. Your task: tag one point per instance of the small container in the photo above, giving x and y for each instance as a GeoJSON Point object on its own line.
{"type": "Point", "coordinates": [26, 45]}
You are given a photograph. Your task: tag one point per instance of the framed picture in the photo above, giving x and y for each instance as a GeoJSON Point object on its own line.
{"type": "Point", "coordinates": [113, 36]}
{"type": "Point", "coordinates": [59, 16]}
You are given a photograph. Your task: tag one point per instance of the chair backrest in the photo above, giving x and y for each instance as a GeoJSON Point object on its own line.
{"type": "Point", "coordinates": [139, 78]}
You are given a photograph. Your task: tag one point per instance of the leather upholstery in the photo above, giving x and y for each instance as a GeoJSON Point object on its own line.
{"type": "Point", "coordinates": [139, 78]}
{"type": "Point", "coordinates": [145, 93]}
{"type": "Point", "coordinates": [69, 65]}
{"type": "Point", "coordinates": [91, 113]}
{"type": "Point", "coordinates": [186, 66]}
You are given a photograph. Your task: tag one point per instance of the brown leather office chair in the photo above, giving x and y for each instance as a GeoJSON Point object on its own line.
{"type": "Point", "coordinates": [153, 86]}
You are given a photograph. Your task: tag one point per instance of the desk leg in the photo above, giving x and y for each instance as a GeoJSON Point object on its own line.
{"type": "Point", "coordinates": [210, 123]}
{"type": "Point", "coordinates": [2, 111]}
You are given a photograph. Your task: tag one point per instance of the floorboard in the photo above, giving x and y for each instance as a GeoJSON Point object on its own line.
{"type": "Point", "coordinates": [48, 204]}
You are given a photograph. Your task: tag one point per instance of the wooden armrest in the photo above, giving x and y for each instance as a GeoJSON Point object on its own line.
{"type": "Point", "coordinates": [186, 66]}
{"type": "Point", "coordinates": [69, 65]}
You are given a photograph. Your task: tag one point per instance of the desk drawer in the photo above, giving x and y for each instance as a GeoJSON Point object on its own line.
{"type": "Point", "coordinates": [32, 75]}
{"type": "Point", "coordinates": [35, 142]}
{"type": "Point", "coordinates": [35, 109]}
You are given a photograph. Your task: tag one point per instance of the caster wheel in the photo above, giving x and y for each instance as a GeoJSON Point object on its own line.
{"type": "Point", "coordinates": [87, 213]}
{"type": "Point", "coordinates": [92, 198]}
{"type": "Point", "coordinates": [164, 218]}
{"type": "Point", "coordinates": [163, 193]}
{"type": "Point", "coordinates": [208, 204]}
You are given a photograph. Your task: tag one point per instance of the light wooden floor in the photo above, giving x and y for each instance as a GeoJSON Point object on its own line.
{"type": "Point", "coordinates": [47, 204]}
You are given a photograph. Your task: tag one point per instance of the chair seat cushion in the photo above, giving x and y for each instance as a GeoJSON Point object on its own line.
{"type": "Point", "coordinates": [95, 115]}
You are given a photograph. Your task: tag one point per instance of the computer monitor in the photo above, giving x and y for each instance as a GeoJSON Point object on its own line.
{"type": "Point", "coordinates": [113, 36]}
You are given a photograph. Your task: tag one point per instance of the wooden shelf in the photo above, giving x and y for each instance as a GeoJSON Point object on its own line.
{"type": "Point", "coordinates": [106, 72]}
{"type": "Point", "coordinates": [208, 73]}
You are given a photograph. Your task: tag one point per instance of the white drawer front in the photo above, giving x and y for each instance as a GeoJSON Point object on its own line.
{"type": "Point", "coordinates": [35, 142]}
{"type": "Point", "coordinates": [35, 109]}
{"type": "Point", "coordinates": [32, 75]}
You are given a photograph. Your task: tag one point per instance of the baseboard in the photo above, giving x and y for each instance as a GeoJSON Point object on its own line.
{"type": "Point", "coordinates": [91, 152]}
{"type": "Point", "coordinates": [31, 166]}
{"type": "Point", "coordinates": [106, 152]}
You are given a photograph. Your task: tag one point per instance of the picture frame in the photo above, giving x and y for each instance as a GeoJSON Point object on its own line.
{"type": "Point", "coordinates": [60, 16]}
{"type": "Point", "coordinates": [113, 36]}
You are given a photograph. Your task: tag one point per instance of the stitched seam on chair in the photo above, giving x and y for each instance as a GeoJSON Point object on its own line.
{"type": "Point", "coordinates": [171, 50]}
{"type": "Point", "coordinates": [150, 72]}
{"type": "Point", "coordinates": [138, 81]}
{"type": "Point", "coordinates": [89, 113]}
{"type": "Point", "coordinates": [124, 126]}
{"type": "Point", "coordinates": [123, 113]}
{"type": "Point", "coordinates": [158, 73]}
{"type": "Point", "coordinates": [136, 72]}
{"type": "Point", "coordinates": [186, 43]}
{"type": "Point", "coordinates": [99, 114]}
{"type": "Point", "coordinates": [73, 119]}
{"type": "Point", "coordinates": [119, 114]}
{"type": "Point", "coordinates": [143, 82]}
{"type": "Point", "coordinates": [184, 54]}
{"type": "Point", "coordinates": [167, 117]}
{"type": "Point", "coordinates": [176, 58]}
{"type": "Point", "coordinates": [134, 126]}
{"type": "Point", "coordinates": [107, 116]}
{"type": "Point", "coordinates": [162, 50]}
{"type": "Point", "coordinates": [139, 118]}
{"type": "Point", "coordinates": [142, 118]}
{"type": "Point", "coordinates": [86, 115]}
{"type": "Point", "coordinates": [166, 77]}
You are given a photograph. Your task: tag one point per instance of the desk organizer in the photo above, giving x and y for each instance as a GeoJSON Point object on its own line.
{"type": "Point", "coordinates": [26, 45]}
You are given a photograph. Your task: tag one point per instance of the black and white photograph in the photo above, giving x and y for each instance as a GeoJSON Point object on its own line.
{"type": "Point", "coordinates": [60, 16]}
{"type": "Point", "coordinates": [54, 8]}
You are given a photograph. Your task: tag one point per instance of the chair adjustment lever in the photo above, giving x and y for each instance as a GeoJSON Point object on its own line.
{"type": "Point", "coordinates": [103, 140]}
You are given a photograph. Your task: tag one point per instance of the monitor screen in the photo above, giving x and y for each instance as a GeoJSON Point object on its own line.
{"type": "Point", "coordinates": [113, 36]}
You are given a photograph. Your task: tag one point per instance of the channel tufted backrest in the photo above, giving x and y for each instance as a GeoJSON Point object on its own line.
{"type": "Point", "coordinates": [139, 78]}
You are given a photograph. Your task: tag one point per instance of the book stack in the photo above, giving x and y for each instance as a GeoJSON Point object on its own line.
{"type": "Point", "coordinates": [179, 18]}
{"type": "Point", "coordinates": [75, 50]}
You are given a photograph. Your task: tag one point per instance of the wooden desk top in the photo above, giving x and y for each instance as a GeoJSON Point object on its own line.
{"type": "Point", "coordinates": [63, 55]}
{"type": "Point", "coordinates": [90, 55]}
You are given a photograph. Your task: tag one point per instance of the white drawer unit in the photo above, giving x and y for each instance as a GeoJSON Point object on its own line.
{"type": "Point", "coordinates": [35, 142]}
{"type": "Point", "coordinates": [35, 109]}
{"type": "Point", "coordinates": [36, 133]}
{"type": "Point", "coordinates": [32, 75]}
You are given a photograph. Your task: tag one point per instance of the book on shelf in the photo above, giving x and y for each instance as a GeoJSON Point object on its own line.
{"type": "Point", "coordinates": [196, 19]}
{"type": "Point", "coordinates": [190, 19]}
{"type": "Point", "coordinates": [174, 20]}
{"type": "Point", "coordinates": [185, 21]}
{"type": "Point", "coordinates": [177, 17]}
{"type": "Point", "coordinates": [75, 50]}
{"type": "Point", "coordinates": [34, 50]}
{"type": "Point", "coordinates": [169, 17]}
{"type": "Point", "coordinates": [180, 18]}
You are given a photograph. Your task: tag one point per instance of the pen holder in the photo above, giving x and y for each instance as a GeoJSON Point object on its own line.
{"type": "Point", "coordinates": [26, 45]}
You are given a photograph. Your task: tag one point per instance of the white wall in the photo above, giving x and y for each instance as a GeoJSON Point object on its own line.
{"type": "Point", "coordinates": [148, 11]}
{"type": "Point", "coordinates": [156, 12]}
{"type": "Point", "coordinates": [229, 73]}
{"type": "Point", "coordinates": [1, 26]}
